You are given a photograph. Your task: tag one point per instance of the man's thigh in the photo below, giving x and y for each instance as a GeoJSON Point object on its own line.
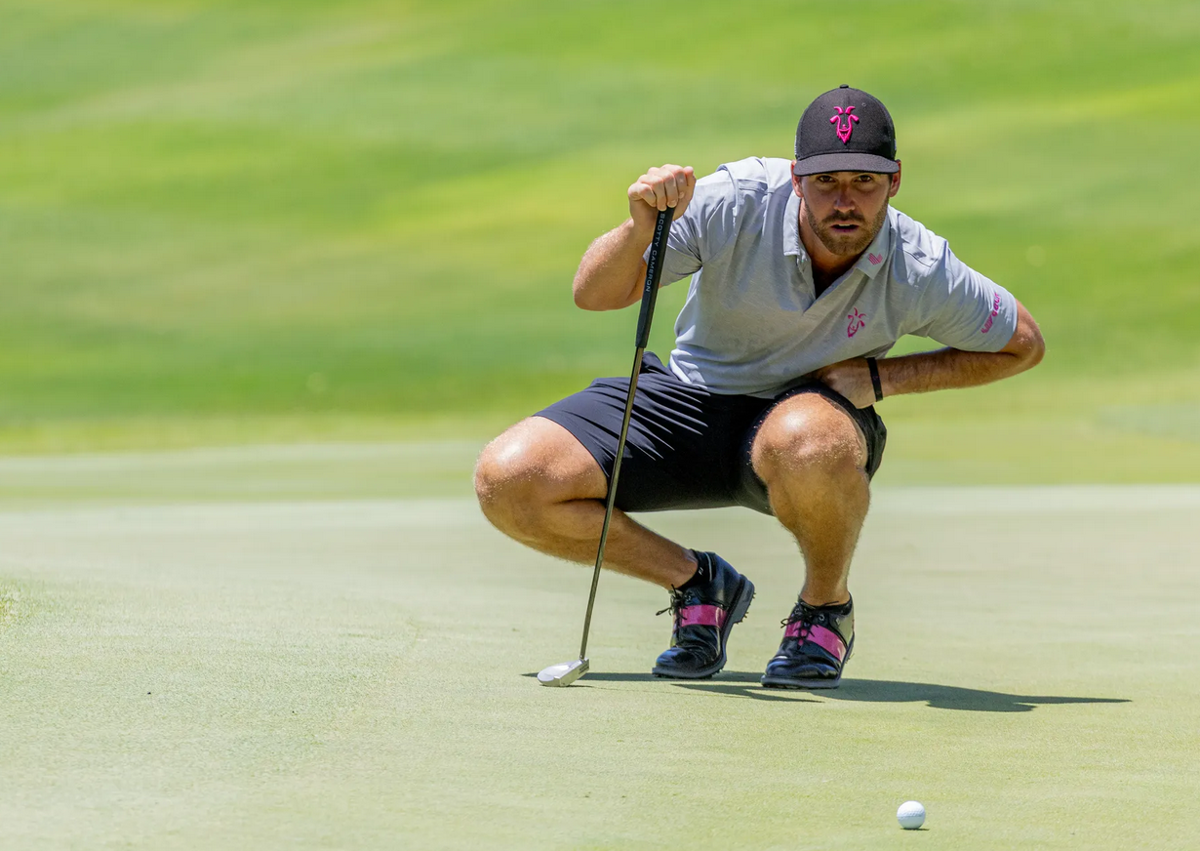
{"type": "Point", "coordinates": [684, 444]}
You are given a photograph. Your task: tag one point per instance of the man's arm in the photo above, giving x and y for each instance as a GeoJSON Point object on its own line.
{"type": "Point", "coordinates": [944, 369]}
{"type": "Point", "coordinates": [612, 271]}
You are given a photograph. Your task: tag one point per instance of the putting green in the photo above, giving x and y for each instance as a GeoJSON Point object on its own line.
{"type": "Point", "coordinates": [356, 673]}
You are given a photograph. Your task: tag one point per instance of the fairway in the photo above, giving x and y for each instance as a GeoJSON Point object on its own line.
{"type": "Point", "coordinates": [304, 221]}
{"type": "Point", "coordinates": [356, 673]}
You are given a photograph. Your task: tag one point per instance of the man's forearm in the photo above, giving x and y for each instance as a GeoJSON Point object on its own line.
{"type": "Point", "coordinates": [946, 369]}
{"type": "Point", "coordinates": [943, 369]}
{"type": "Point", "coordinates": [612, 269]}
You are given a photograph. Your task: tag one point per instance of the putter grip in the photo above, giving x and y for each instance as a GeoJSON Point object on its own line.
{"type": "Point", "coordinates": [658, 251]}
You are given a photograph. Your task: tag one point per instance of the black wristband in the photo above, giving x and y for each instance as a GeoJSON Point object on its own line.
{"type": "Point", "coordinates": [875, 381]}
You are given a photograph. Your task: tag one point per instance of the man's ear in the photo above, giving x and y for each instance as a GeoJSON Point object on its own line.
{"type": "Point", "coordinates": [895, 187]}
{"type": "Point", "coordinates": [796, 183]}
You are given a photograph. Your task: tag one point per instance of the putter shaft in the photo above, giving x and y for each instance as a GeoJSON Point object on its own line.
{"type": "Point", "coordinates": [658, 248]}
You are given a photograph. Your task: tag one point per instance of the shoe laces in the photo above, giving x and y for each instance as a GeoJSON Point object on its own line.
{"type": "Point", "coordinates": [680, 600]}
{"type": "Point", "coordinates": [804, 614]}
{"type": "Point", "coordinates": [675, 607]}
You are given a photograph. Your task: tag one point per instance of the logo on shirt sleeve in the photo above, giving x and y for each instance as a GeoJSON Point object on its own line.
{"type": "Point", "coordinates": [987, 326]}
{"type": "Point", "coordinates": [858, 321]}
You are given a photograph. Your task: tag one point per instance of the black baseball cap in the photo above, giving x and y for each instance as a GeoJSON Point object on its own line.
{"type": "Point", "coordinates": [845, 130]}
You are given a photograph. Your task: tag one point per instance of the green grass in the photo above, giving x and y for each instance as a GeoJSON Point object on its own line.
{"type": "Point", "coordinates": [350, 228]}
{"type": "Point", "coordinates": [285, 215]}
{"type": "Point", "coordinates": [262, 648]}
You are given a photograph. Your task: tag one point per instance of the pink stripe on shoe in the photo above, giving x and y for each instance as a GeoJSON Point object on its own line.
{"type": "Point", "coordinates": [821, 636]}
{"type": "Point", "coordinates": [702, 616]}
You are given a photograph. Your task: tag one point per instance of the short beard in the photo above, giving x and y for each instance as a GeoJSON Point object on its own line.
{"type": "Point", "coordinates": [845, 245]}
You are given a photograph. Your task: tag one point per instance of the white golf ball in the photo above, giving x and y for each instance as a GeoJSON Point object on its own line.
{"type": "Point", "coordinates": [911, 815]}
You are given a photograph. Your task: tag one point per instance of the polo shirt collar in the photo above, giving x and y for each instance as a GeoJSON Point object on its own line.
{"type": "Point", "coordinates": [792, 246]}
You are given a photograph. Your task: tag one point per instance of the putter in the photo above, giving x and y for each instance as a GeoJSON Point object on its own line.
{"type": "Point", "coordinates": [565, 673]}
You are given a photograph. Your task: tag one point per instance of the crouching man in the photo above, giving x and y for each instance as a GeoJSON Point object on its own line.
{"type": "Point", "coordinates": [802, 279]}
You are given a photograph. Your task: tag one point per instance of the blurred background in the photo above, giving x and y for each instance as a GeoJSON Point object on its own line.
{"type": "Point", "coordinates": [230, 223]}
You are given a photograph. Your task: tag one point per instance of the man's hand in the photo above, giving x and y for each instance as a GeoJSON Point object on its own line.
{"type": "Point", "coordinates": [657, 189]}
{"type": "Point", "coordinates": [851, 378]}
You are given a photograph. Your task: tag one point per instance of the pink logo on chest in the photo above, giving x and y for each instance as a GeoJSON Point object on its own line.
{"type": "Point", "coordinates": [875, 259]}
{"type": "Point", "coordinates": [858, 321]}
{"type": "Point", "coordinates": [845, 121]}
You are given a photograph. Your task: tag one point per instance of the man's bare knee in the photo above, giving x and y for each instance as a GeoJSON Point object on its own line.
{"type": "Point", "coordinates": [508, 474]}
{"type": "Point", "coordinates": [808, 435]}
{"type": "Point", "coordinates": [530, 467]}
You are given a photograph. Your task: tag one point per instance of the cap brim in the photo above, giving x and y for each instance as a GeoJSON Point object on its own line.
{"type": "Point", "coordinates": [825, 163]}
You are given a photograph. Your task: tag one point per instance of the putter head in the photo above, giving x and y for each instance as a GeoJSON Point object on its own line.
{"type": "Point", "coordinates": [564, 673]}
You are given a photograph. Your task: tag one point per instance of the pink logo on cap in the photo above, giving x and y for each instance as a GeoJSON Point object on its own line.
{"type": "Point", "coordinates": [844, 129]}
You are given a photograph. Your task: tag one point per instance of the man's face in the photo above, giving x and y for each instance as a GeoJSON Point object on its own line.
{"type": "Point", "coordinates": [846, 209]}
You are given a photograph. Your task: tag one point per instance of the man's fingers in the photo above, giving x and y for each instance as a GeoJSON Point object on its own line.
{"type": "Point", "coordinates": [681, 183]}
{"type": "Point", "coordinates": [671, 191]}
{"type": "Point", "coordinates": [644, 191]}
{"type": "Point", "coordinates": [661, 194]}
{"type": "Point", "coordinates": [653, 191]}
{"type": "Point", "coordinates": [662, 187]}
{"type": "Point", "coordinates": [851, 378]}
{"type": "Point", "coordinates": [674, 184]}
{"type": "Point", "coordinates": [656, 196]}
{"type": "Point", "coordinates": [659, 189]}
{"type": "Point", "coordinates": [686, 181]}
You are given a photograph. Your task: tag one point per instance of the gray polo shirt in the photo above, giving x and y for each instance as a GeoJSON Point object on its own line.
{"type": "Point", "coordinates": [752, 323]}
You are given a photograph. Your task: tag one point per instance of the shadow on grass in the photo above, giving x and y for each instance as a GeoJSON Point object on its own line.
{"type": "Point", "coordinates": [745, 685]}
{"type": "Point", "coordinates": [727, 683]}
{"type": "Point", "coordinates": [952, 697]}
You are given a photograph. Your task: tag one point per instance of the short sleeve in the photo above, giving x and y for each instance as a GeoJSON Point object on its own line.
{"type": "Point", "coordinates": [965, 310]}
{"type": "Point", "coordinates": [703, 230]}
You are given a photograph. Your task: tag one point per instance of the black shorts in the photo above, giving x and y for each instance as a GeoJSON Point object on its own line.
{"type": "Point", "coordinates": [687, 448]}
